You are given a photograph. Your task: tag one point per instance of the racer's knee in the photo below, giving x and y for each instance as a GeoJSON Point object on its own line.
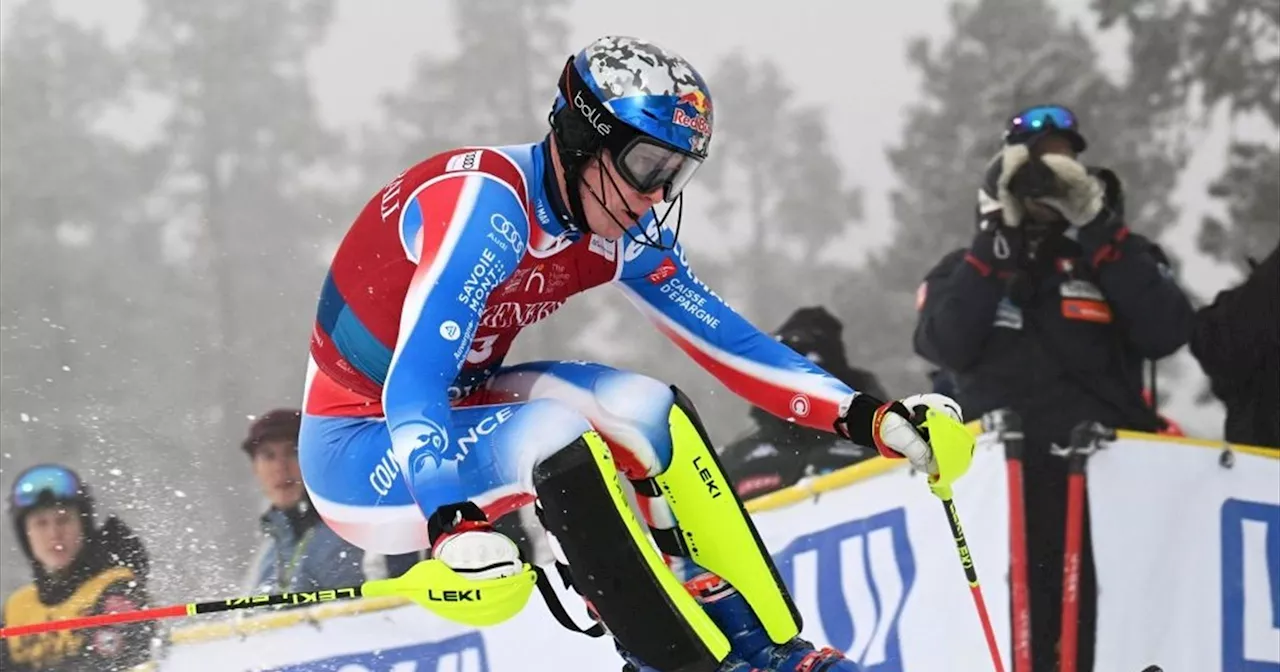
{"type": "Point", "coordinates": [541, 428]}
{"type": "Point", "coordinates": [633, 413]}
{"type": "Point", "coordinates": [354, 484]}
{"type": "Point", "coordinates": [496, 472]}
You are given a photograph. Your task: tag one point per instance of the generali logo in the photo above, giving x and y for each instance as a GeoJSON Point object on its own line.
{"type": "Point", "coordinates": [507, 314]}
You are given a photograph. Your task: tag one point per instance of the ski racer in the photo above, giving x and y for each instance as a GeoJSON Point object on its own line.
{"type": "Point", "coordinates": [416, 433]}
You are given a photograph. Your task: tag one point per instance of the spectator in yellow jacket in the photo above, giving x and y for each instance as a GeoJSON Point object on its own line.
{"type": "Point", "coordinates": [80, 569]}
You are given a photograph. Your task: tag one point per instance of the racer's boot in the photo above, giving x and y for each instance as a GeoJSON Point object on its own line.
{"type": "Point", "coordinates": [752, 649]}
{"type": "Point", "coordinates": [463, 538]}
{"type": "Point", "coordinates": [474, 577]}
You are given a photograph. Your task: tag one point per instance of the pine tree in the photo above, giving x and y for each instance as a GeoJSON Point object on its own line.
{"type": "Point", "coordinates": [1005, 55]}
{"type": "Point", "coordinates": [1224, 50]}
{"type": "Point", "coordinates": [244, 213]}
{"type": "Point", "coordinates": [70, 201]}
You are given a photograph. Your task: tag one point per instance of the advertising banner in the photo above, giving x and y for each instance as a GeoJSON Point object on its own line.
{"type": "Point", "coordinates": [872, 567]}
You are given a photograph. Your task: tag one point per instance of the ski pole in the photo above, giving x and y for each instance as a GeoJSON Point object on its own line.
{"type": "Point", "coordinates": [430, 583]}
{"type": "Point", "coordinates": [179, 610]}
{"type": "Point", "coordinates": [966, 560]}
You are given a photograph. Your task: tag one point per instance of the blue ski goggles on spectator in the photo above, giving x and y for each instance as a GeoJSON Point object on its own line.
{"type": "Point", "coordinates": [49, 482]}
{"type": "Point", "coordinates": [1032, 122]}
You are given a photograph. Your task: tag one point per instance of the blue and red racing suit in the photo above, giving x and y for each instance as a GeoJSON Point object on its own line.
{"type": "Point", "coordinates": [408, 405]}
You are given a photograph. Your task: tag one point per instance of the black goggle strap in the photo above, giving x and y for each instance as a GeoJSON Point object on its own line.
{"type": "Point", "coordinates": [644, 238]}
{"type": "Point", "coordinates": [616, 134]}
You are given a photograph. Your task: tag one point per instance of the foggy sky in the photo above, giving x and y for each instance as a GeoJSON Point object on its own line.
{"type": "Point", "coordinates": [848, 57]}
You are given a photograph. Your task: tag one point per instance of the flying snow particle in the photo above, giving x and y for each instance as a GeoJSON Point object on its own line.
{"type": "Point", "coordinates": [179, 493]}
{"type": "Point", "coordinates": [24, 417]}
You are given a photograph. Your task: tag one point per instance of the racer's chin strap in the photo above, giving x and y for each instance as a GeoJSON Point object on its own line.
{"type": "Point", "coordinates": [572, 163]}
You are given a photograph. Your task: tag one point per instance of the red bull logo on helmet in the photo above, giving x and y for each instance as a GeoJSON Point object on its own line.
{"type": "Point", "coordinates": [700, 119]}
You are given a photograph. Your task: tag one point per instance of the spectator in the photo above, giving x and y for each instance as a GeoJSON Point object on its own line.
{"type": "Point", "coordinates": [80, 569]}
{"type": "Point", "coordinates": [1237, 340]}
{"type": "Point", "coordinates": [299, 552]}
{"type": "Point", "coordinates": [1051, 312]}
{"type": "Point", "coordinates": [778, 453]}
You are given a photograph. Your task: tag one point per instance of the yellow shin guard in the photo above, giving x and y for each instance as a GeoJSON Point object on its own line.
{"type": "Point", "coordinates": [615, 567]}
{"type": "Point", "coordinates": [714, 526]}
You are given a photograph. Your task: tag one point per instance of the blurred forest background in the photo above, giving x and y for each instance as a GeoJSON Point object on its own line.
{"type": "Point", "coordinates": [158, 293]}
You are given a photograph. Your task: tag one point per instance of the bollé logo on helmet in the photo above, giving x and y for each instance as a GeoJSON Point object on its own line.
{"type": "Point", "coordinates": [591, 113]}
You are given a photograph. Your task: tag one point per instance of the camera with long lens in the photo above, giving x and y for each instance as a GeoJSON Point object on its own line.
{"type": "Point", "coordinates": [1034, 179]}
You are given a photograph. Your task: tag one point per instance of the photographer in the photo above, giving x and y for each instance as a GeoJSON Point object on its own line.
{"type": "Point", "coordinates": [1051, 312]}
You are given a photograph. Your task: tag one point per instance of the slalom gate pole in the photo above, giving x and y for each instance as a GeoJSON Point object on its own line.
{"type": "Point", "coordinates": [966, 560]}
{"type": "Point", "coordinates": [1069, 635]}
{"type": "Point", "coordinates": [1012, 438]}
{"type": "Point", "coordinates": [181, 610]}
{"type": "Point", "coordinates": [1087, 438]}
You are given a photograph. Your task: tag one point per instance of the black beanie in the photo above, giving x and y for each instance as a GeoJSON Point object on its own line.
{"type": "Point", "coordinates": [815, 333]}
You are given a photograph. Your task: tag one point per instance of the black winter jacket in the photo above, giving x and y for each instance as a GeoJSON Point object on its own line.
{"type": "Point", "coordinates": [1237, 340]}
{"type": "Point", "coordinates": [1062, 339]}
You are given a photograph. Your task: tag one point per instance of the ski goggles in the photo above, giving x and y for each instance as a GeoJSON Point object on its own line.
{"type": "Point", "coordinates": [47, 482]}
{"type": "Point", "coordinates": [1041, 118]}
{"type": "Point", "coordinates": [1033, 121]}
{"type": "Point", "coordinates": [647, 165]}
